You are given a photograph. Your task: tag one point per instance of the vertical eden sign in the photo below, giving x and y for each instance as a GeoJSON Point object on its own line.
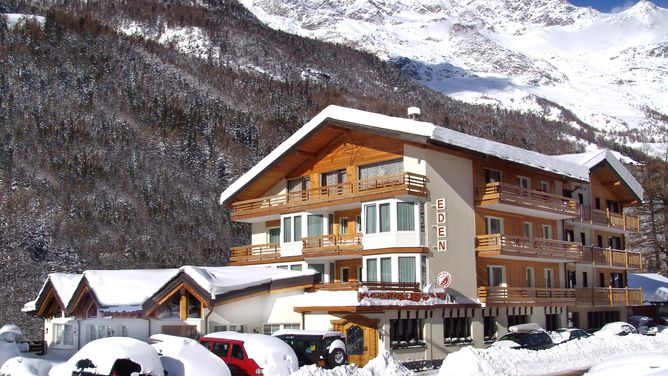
{"type": "Point", "coordinates": [441, 232]}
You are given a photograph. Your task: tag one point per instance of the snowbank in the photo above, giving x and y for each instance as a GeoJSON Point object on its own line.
{"type": "Point", "coordinates": [184, 357]}
{"type": "Point", "coordinates": [8, 350]}
{"type": "Point", "coordinates": [572, 355]}
{"type": "Point", "coordinates": [384, 364]}
{"type": "Point", "coordinates": [20, 366]}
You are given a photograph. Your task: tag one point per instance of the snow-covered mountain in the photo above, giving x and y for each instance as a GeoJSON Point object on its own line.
{"type": "Point", "coordinates": [609, 69]}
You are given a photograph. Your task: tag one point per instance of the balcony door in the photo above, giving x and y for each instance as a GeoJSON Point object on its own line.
{"type": "Point", "coordinates": [493, 225]}
{"type": "Point", "coordinates": [332, 182]}
{"type": "Point", "coordinates": [496, 275]}
{"type": "Point", "coordinates": [523, 182]}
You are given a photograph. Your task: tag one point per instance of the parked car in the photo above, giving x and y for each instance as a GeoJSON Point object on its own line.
{"type": "Point", "coordinates": [632, 364]}
{"type": "Point", "coordinates": [525, 336]}
{"type": "Point", "coordinates": [617, 328]}
{"type": "Point", "coordinates": [562, 335]}
{"type": "Point", "coordinates": [645, 325]}
{"type": "Point", "coordinates": [252, 354]}
{"type": "Point", "coordinates": [117, 356]}
{"type": "Point", "coordinates": [323, 348]}
{"type": "Point", "coordinates": [182, 356]}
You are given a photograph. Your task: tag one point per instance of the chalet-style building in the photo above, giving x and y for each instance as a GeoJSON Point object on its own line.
{"type": "Point", "coordinates": [390, 210]}
{"type": "Point", "coordinates": [189, 301]}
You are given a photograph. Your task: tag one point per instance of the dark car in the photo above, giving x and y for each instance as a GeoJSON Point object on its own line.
{"type": "Point", "coordinates": [322, 348]}
{"type": "Point", "coordinates": [568, 334]}
{"type": "Point", "coordinates": [525, 336]}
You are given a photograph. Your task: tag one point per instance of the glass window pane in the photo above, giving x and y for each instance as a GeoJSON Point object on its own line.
{"type": "Point", "coordinates": [318, 267]}
{"type": "Point", "coordinates": [372, 270]}
{"type": "Point", "coordinates": [381, 169]}
{"type": "Point", "coordinates": [287, 230]}
{"type": "Point", "coordinates": [405, 216]}
{"type": "Point", "coordinates": [386, 269]}
{"type": "Point", "coordinates": [298, 228]}
{"type": "Point", "coordinates": [296, 267]}
{"type": "Point", "coordinates": [384, 217]}
{"type": "Point", "coordinates": [370, 218]}
{"type": "Point", "coordinates": [314, 225]}
{"type": "Point", "coordinates": [274, 235]}
{"type": "Point", "coordinates": [407, 269]}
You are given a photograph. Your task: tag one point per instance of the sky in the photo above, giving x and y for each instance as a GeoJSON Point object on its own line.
{"type": "Point", "coordinates": [613, 6]}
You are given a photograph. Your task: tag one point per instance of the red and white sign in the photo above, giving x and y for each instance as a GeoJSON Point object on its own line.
{"type": "Point", "coordinates": [444, 279]}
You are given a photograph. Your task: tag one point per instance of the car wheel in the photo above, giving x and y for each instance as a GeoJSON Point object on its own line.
{"type": "Point", "coordinates": [337, 358]}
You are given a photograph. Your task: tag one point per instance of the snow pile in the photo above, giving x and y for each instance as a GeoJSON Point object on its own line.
{"type": "Point", "coordinates": [572, 355]}
{"type": "Point", "coordinates": [184, 357]}
{"type": "Point", "coordinates": [104, 352]}
{"type": "Point", "coordinates": [7, 351]}
{"type": "Point", "coordinates": [20, 366]}
{"type": "Point", "coordinates": [384, 364]}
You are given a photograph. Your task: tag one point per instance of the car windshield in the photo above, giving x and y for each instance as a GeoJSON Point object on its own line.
{"type": "Point", "coordinates": [515, 337]}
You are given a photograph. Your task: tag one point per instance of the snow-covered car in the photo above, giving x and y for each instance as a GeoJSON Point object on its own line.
{"type": "Point", "coordinates": [529, 336]}
{"type": "Point", "coordinates": [12, 334]}
{"type": "Point", "coordinates": [182, 356]}
{"type": "Point", "coordinates": [116, 356]}
{"type": "Point", "coordinates": [252, 354]}
{"type": "Point", "coordinates": [632, 364]}
{"type": "Point", "coordinates": [645, 325]}
{"type": "Point", "coordinates": [568, 334]}
{"type": "Point", "coordinates": [323, 348]}
{"type": "Point", "coordinates": [617, 328]}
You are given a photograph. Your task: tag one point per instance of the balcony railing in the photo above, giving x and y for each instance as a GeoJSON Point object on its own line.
{"type": "Point", "coordinates": [508, 194]}
{"type": "Point", "coordinates": [258, 252]}
{"type": "Point", "coordinates": [606, 218]}
{"type": "Point", "coordinates": [526, 295]}
{"type": "Point", "coordinates": [370, 285]}
{"type": "Point", "coordinates": [611, 257]}
{"type": "Point", "coordinates": [328, 245]}
{"type": "Point", "coordinates": [608, 296]}
{"type": "Point", "coordinates": [509, 245]}
{"type": "Point", "coordinates": [404, 183]}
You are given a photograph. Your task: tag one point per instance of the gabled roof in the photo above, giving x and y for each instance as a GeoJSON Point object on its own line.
{"type": "Point", "coordinates": [593, 159]}
{"type": "Point", "coordinates": [134, 289]}
{"type": "Point", "coordinates": [417, 131]}
{"type": "Point", "coordinates": [60, 286]}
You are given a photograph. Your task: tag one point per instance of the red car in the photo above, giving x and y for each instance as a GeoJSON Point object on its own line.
{"type": "Point", "coordinates": [249, 354]}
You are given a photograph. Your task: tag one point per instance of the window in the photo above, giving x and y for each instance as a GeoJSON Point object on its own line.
{"type": "Point", "coordinates": [343, 225]}
{"type": "Point", "coordinates": [370, 218]}
{"type": "Point", "coordinates": [599, 241]}
{"type": "Point", "coordinates": [523, 182]}
{"type": "Point", "coordinates": [296, 267]}
{"type": "Point", "coordinates": [613, 206]}
{"type": "Point", "coordinates": [571, 278]}
{"type": "Point", "coordinates": [314, 225]}
{"type": "Point", "coordinates": [492, 176]}
{"type": "Point", "coordinates": [287, 230]}
{"type": "Point", "coordinates": [583, 238]}
{"type": "Point", "coordinates": [407, 269]}
{"type": "Point", "coordinates": [615, 242]}
{"type": "Point", "coordinates": [220, 349]}
{"type": "Point", "coordinates": [297, 224]}
{"type": "Point", "coordinates": [496, 275]}
{"type": "Point", "coordinates": [569, 235]}
{"type": "Point", "coordinates": [377, 217]}
{"type": "Point", "coordinates": [405, 333]}
{"type": "Point", "coordinates": [237, 352]}
{"type": "Point", "coordinates": [358, 223]}
{"type": "Point", "coordinates": [99, 331]}
{"type": "Point", "coordinates": [194, 306]}
{"type": "Point", "coordinates": [292, 229]}
{"type": "Point", "coordinates": [489, 328]}
{"type": "Point", "coordinates": [275, 235]}
{"type": "Point", "coordinates": [386, 269]}
{"type": "Point", "coordinates": [284, 267]}
{"type": "Point", "coordinates": [517, 320]}
{"type": "Point", "coordinates": [617, 280]}
{"type": "Point", "coordinates": [544, 186]}
{"type": "Point", "coordinates": [372, 270]}
{"type": "Point", "coordinates": [385, 168]}
{"type": "Point", "coordinates": [92, 311]}
{"type": "Point", "coordinates": [585, 283]}
{"type": "Point", "coordinates": [298, 184]}
{"type": "Point", "coordinates": [63, 335]}
{"type": "Point", "coordinates": [528, 229]}
{"type": "Point", "coordinates": [171, 308]}
{"type": "Point", "coordinates": [552, 322]}
{"type": "Point", "coordinates": [547, 231]}
{"type": "Point", "coordinates": [345, 275]}
{"type": "Point", "coordinates": [549, 275]}
{"type": "Point", "coordinates": [493, 225]}
{"type": "Point", "coordinates": [456, 330]}
{"type": "Point", "coordinates": [332, 182]}
{"type": "Point", "coordinates": [597, 203]}
{"type": "Point", "coordinates": [581, 198]}
{"type": "Point", "coordinates": [225, 328]}
{"type": "Point", "coordinates": [320, 268]}
{"type": "Point", "coordinates": [405, 216]}
{"type": "Point", "coordinates": [270, 329]}
{"type": "Point", "coordinates": [530, 277]}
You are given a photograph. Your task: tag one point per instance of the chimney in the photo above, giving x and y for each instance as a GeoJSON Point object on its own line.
{"type": "Point", "coordinates": [414, 113]}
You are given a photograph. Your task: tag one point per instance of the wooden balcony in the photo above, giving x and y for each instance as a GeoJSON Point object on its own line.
{"type": "Point", "coordinates": [498, 245]}
{"type": "Point", "coordinates": [370, 285]}
{"type": "Point", "coordinates": [526, 296]}
{"type": "Point", "coordinates": [332, 245]}
{"type": "Point", "coordinates": [608, 296]}
{"type": "Point", "coordinates": [352, 191]}
{"type": "Point", "coordinates": [511, 198]}
{"type": "Point", "coordinates": [254, 253]}
{"type": "Point", "coordinates": [606, 218]}
{"type": "Point", "coordinates": [613, 258]}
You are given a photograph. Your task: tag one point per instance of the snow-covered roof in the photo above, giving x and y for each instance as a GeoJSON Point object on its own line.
{"type": "Point", "coordinates": [654, 286]}
{"type": "Point", "coordinates": [415, 130]}
{"type": "Point", "coordinates": [64, 285]}
{"type": "Point", "coordinates": [592, 159]}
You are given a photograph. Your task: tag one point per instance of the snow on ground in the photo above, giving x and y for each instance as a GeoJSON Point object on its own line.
{"type": "Point", "coordinates": [14, 19]}
{"type": "Point", "coordinates": [572, 355]}
{"type": "Point", "coordinates": [384, 364]}
{"type": "Point", "coordinates": [22, 366]}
